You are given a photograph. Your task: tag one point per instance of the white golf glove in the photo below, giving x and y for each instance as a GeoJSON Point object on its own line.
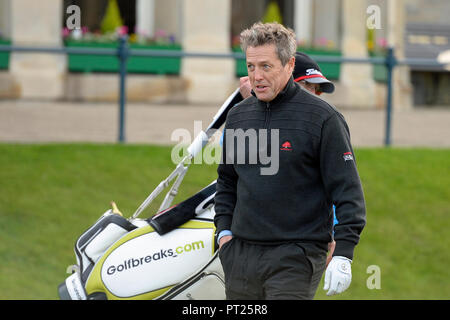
{"type": "Point", "coordinates": [338, 275]}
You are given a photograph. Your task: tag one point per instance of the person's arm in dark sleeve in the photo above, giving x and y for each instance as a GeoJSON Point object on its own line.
{"type": "Point", "coordinates": [342, 183]}
{"type": "Point", "coordinates": [225, 198]}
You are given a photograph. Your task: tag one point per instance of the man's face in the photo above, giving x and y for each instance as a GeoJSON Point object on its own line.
{"type": "Point", "coordinates": [314, 88]}
{"type": "Point", "coordinates": [266, 73]}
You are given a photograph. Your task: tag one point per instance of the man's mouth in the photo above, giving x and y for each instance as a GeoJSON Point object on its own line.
{"type": "Point", "coordinates": [260, 87]}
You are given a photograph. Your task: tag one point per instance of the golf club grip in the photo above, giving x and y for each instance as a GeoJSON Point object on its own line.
{"type": "Point", "coordinates": [221, 116]}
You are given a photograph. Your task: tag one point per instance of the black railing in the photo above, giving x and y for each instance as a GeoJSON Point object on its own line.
{"type": "Point", "coordinates": [123, 52]}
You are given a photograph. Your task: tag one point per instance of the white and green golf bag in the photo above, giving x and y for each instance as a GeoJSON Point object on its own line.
{"type": "Point", "coordinates": [171, 256]}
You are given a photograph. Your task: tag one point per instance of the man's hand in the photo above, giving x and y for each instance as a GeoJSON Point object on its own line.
{"type": "Point", "coordinates": [224, 240]}
{"type": "Point", "coordinates": [331, 246]}
{"type": "Point", "coordinates": [245, 87]}
{"type": "Point", "coordinates": [338, 275]}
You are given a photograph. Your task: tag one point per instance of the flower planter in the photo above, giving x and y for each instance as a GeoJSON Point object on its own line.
{"type": "Point", "coordinates": [241, 66]}
{"type": "Point", "coordinates": [4, 56]}
{"type": "Point", "coordinates": [330, 70]}
{"type": "Point", "coordinates": [105, 63]}
{"type": "Point", "coordinates": [379, 70]}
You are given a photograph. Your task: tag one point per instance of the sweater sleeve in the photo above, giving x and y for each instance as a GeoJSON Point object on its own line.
{"type": "Point", "coordinates": [225, 198]}
{"type": "Point", "coordinates": [342, 184]}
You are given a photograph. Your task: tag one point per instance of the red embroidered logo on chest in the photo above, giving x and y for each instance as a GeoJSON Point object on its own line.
{"type": "Point", "coordinates": [286, 146]}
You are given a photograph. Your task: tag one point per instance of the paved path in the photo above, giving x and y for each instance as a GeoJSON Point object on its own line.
{"type": "Point", "coordinates": [39, 122]}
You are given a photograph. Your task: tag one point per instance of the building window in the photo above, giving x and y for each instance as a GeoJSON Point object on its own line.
{"type": "Point", "coordinates": [244, 13]}
{"type": "Point", "coordinates": [92, 13]}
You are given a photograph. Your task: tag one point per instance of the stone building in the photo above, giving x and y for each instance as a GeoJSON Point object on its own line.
{"type": "Point", "coordinates": [212, 26]}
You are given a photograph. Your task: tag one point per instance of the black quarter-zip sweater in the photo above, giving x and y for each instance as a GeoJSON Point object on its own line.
{"type": "Point", "coordinates": [316, 169]}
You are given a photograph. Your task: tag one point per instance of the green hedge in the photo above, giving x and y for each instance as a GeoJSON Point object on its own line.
{"type": "Point", "coordinates": [4, 56]}
{"type": "Point", "coordinates": [105, 63]}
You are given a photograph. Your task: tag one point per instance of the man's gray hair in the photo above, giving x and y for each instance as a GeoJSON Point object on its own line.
{"type": "Point", "coordinates": [260, 34]}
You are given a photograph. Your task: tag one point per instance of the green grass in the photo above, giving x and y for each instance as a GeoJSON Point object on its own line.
{"type": "Point", "coordinates": [408, 206]}
{"type": "Point", "coordinates": [49, 194]}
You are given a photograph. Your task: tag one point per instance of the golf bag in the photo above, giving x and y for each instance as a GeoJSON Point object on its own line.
{"type": "Point", "coordinates": [172, 255]}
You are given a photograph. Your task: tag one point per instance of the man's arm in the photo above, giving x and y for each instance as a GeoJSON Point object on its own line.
{"type": "Point", "coordinates": [342, 184]}
{"type": "Point", "coordinates": [225, 198]}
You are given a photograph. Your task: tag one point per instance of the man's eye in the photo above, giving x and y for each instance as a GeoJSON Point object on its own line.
{"type": "Point", "coordinates": [250, 67]}
{"type": "Point", "coordinates": [266, 66]}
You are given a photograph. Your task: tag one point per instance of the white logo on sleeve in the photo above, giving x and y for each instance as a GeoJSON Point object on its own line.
{"type": "Point", "coordinates": [348, 156]}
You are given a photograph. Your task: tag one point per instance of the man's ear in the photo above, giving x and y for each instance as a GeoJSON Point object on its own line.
{"type": "Point", "coordinates": [291, 64]}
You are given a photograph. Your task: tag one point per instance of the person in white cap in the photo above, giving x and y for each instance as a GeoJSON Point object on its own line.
{"type": "Point", "coordinates": [308, 74]}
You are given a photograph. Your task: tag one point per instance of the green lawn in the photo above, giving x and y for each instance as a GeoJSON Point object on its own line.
{"type": "Point", "coordinates": [49, 194]}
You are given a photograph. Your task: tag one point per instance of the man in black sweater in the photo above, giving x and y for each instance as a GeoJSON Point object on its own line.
{"type": "Point", "coordinates": [286, 159]}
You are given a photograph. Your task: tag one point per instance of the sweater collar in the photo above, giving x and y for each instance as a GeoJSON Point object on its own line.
{"type": "Point", "coordinates": [287, 92]}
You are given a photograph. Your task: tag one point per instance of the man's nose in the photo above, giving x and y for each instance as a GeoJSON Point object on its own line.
{"type": "Point", "coordinates": [258, 74]}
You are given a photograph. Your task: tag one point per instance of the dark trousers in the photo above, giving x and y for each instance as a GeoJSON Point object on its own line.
{"type": "Point", "coordinates": [285, 271]}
